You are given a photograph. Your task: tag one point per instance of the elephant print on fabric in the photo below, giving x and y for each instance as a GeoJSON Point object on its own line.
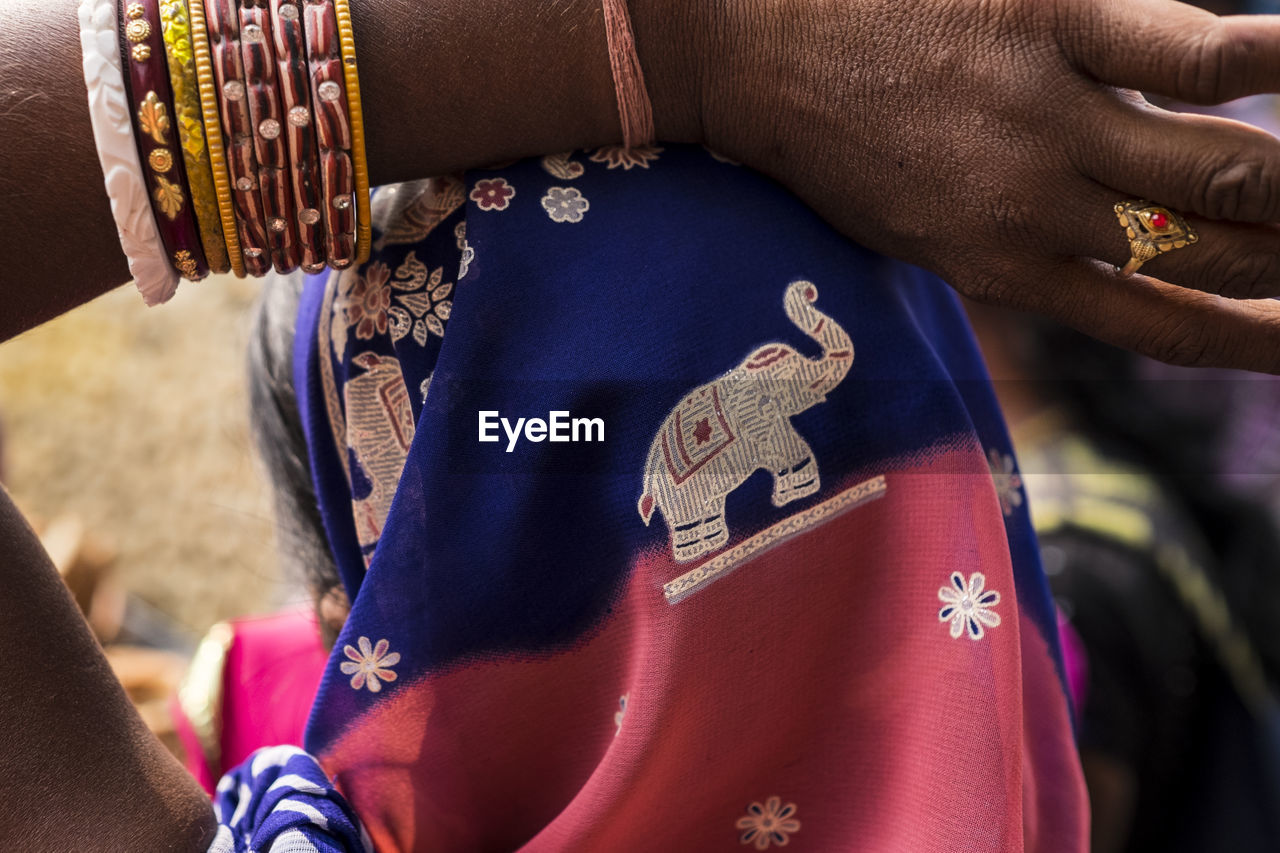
{"type": "Point", "coordinates": [723, 432]}
{"type": "Point", "coordinates": [379, 431]}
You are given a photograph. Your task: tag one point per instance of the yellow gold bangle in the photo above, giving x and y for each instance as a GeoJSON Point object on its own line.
{"type": "Point", "coordinates": [213, 133]}
{"type": "Point", "coordinates": [176, 29]}
{"type": "Point", "coordinates": [347, 40]}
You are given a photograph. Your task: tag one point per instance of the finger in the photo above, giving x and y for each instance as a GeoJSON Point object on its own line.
{"type": "Point", "coordinates": [1172, 48]}
{"type": "Point", "coordinates": [1157, 319]}
{"type": "Point", "coordinates": [1241, 261]}
{"type": "Point", "coordinates": [1215, 167]}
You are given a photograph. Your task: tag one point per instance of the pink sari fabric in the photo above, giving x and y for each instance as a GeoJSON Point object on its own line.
{"type": "Point", "coordinates": [886, 735]}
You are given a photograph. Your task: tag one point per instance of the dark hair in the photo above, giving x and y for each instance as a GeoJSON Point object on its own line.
{"type": "Point", "coordinates": [276, 424]}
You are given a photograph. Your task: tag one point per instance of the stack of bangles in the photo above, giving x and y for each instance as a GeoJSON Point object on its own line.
{"type": "Point", "coordinates": [230, 135]}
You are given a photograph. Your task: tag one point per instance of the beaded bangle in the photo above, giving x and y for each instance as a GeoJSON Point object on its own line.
{"type": "Point", "coordinates": [364, 231]}
{"type": "Point", "coordinates": [333, 130]}
{"type": "Point", "coordinates": [188, 115]}
{"type": "Point", "coordinates": [147, 81]}
{"type": "Point", "coordinates": [295, 96]}
{"type": "Point", "coordinates": [224, 42]}
{"type": "Point", "coordinates": [213, 135]}
{"type": "Point", "coordinates": [264, 110]}
{"type": "Point", "coordinates": [154, 276]}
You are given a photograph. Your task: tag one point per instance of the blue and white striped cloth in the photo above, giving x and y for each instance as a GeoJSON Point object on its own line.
{"type": "Point", "coordinates": [281, 801]}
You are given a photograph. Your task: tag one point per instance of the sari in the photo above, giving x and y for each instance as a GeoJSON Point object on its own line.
{"type": "Point", "coordinates": [671, 520]}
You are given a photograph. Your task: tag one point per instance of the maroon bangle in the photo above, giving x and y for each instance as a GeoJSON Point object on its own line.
{"type": "Point", "coordinates": [274, 185]}
{"type": "Point", "coordinates": [224, 48]}
{"type": "Point", "coordinates": [295, 97]}
{"type": "Point", "coordinates": [151, 99]}
{"type": "Point", "coordinates": [333, 131]}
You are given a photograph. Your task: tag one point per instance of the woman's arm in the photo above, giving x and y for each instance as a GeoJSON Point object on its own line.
{"type": "Point", "coordinates": [79, 770]}
{"type": "Point", "coordinates": [447, 84]}
{"type": "Point", "coordinates": [986, 140]}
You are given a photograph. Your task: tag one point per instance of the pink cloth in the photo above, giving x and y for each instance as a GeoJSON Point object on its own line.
{"type": "Point", "coordinates": [269, 681]}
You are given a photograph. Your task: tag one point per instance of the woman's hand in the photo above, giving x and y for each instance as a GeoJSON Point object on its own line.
{"type": "Point", "coordinates": [988, 140]}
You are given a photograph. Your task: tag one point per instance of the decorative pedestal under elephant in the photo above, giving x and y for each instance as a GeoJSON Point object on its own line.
{"type": "Point", "coordinates": [723, 432]}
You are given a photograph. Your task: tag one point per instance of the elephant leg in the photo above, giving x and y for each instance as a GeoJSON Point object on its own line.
{"type": "Point", "coordinates": [798, 477]}
{"type": "Point", "coordinates": [700, 533]}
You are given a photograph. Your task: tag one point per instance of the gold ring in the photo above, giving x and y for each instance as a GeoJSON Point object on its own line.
{"type": "Point", "coordinates": [1152, 229]}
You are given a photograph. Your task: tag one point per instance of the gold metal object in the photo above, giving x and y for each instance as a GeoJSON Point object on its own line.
{"type": "Point", "coordinates": [153, 118]}
{"type": "Point", "coordinates": [161, 159]}
{"type": "Point", "coordinates": [185, 263]}
{"type": "Point", "coordinates": [137, 30]}
{"type": "Point", "coordinates": [175, 28]}
{"type": "Point", "coordinates": [140, 53]}
{"type": "Point", "coordinates": [169, 197]}
{"type": "Point", "coordinates": [1152, 229]}
{"type": "Point", "coordinates": [205, 85]}
{"type": "Point", "coordinates": [355, 110]}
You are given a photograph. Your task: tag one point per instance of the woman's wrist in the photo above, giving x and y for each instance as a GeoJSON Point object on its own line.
{"type": "Point", "coordinates": [673, 40]}
{"type": "Point", "coordinates": [447, 85]}
{"type": "Point", "coordinates": [472, 82]}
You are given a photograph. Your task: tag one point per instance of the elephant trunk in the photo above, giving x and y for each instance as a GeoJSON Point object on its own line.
{"type": "Point", "coordinates": [837, 348]}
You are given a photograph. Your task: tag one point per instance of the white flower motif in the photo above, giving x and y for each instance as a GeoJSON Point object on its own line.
{"type": "Point", "coordinates": [967, 606]}
{"type": "Point", "coordinates": [619, 156]}
{"type": "Point", "coordinates": [565, 204]}
{"type": "Point", "coordinates": [771, 823]}
{"type": "Point", "coordinates": [422, 301]}
{"type": "Point", "coordinates": [621, 712]}
{"type": "Point", "coordinates": [369, 664]}
{"type": "Point", "coordinates": [1008, 482]}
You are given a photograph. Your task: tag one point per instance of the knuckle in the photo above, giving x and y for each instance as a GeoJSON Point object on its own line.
{"type": "Point", "coordinates": [1240, 190]}
{"type": "Point", "coordinates": [1211, 65]}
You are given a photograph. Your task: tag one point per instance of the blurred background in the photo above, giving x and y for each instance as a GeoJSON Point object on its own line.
{"type": "Point", "coordinates": [125, 440]}
{"type": "Point", "coordinates": [134, 423]}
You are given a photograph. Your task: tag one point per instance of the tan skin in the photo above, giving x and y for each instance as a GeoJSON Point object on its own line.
{"type": "Point", "coordinates": [985, 140]}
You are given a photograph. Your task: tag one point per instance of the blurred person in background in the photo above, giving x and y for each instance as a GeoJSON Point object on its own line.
{"type": "Point", "coordinates": [1152, 489]}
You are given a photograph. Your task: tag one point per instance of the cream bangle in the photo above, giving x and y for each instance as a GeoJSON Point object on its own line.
{"type": "Point", "coordinates": [155, 277]}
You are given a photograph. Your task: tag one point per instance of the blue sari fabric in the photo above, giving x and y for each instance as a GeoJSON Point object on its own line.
{"type": "Point", "coordinates": [800, 549]}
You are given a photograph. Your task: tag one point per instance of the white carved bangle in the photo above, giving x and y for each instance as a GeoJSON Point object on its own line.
{"type": "Point", "coordinates": [154, 276]}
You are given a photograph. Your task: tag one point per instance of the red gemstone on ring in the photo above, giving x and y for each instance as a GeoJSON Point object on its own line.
{"type": "Point", "coordinates": [1159, 220]}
